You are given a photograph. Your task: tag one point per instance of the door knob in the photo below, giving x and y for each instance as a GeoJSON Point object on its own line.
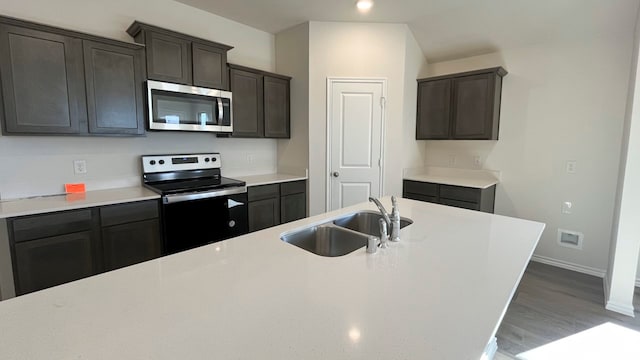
{"type": "Point", "coordinates": [335, 174]}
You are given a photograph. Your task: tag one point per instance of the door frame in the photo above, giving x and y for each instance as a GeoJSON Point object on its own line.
{"type": "Point", "coordinates": [330, 82]}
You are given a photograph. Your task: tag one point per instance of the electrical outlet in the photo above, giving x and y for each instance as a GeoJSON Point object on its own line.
{"type": "Point", "coordinates": [572, 166]}
{"type": "Point", "coordinates": [566, 207]}
{"type": "Point", "coordinates": [477, 161]}
{"type": "Point", "coordinates": [452, 160]}
{"type": "Point", "coordinates": [250, 158]}
{"type": "Point", "coordinates": [80, 166]}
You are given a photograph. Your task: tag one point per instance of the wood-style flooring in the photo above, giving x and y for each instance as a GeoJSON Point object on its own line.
{"type": "Point", "coordinates": [553, 303]}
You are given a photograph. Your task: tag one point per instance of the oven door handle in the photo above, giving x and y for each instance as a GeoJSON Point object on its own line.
{"type": "Point", "coordinates": [174, 198]}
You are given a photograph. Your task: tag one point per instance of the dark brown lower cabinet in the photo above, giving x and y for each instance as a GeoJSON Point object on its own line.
{"type": "Point", "coordinates": [264, 214]}
{"type": "Point", "coordinates": [52, 261]}
{"type": "Point", "coordinates": [55, 248]}
{"type": "Point", "coordinates": [293, 207]}
{"type": "Point", "coordinates": [458, 196]}
{"type": "Point", "coordinates": [293, 201]}
{"type": "Point", "coordinates": [131, 243]}
{"type": "Point", "coordinates": [275, 204]}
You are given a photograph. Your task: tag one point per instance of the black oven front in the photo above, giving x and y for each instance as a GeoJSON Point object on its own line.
{"type": "Point", "coordinates": [203, 220]}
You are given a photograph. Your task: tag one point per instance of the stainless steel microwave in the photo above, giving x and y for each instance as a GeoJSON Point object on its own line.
{"type": "Point", "coordinates": [188, 108]}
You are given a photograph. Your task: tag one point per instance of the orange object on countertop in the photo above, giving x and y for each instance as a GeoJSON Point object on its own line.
{"type": "Point", "coordinates": [74, 188]}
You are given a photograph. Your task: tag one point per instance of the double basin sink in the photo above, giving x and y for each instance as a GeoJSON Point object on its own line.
{"type": "Point", "coordinates": [340, 236]}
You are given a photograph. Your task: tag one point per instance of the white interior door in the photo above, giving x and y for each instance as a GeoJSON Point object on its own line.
{"type": "Point", "coordinates": [355, 131]}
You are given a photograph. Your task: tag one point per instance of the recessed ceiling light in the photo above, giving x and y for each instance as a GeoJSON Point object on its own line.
{"type": "Point", "coordinates": [364, 5]}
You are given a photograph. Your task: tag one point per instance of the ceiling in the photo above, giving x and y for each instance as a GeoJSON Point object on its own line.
{"type": "Point", "coordinates": [447, 29]}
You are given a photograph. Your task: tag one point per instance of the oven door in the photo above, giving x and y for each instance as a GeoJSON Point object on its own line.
{"type": "Point", "coordinates": [193, 223]}
{"type": "Point", "coordinates": [182, 107]}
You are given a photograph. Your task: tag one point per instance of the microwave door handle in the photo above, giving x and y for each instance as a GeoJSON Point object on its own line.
{"type": "Point", "coordinates": [220, 110]}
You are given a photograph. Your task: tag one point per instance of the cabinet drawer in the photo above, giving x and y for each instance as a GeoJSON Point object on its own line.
{"type": "Point", "coordinates": [460, 204]}
{"type": "Point", "coordinates": [293, 187]}
{"type": "Point", "coordinates": [263, 192]}
{"type": "Point", "coordinates": [40, 226]}
{"type": "Point", "coordinates": [460, 193]}
{"type": "Point", "coordinates": [422, 188]}
{"type": "Point", "coordinates": [420, 197]}
{"type": "Point", "coordinates": [51, 261]}
{"type": "Point", "coordinates": [129, 212]}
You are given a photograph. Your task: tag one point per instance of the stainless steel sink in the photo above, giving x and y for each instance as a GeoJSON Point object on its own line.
{"type": "Point", "coordinates": [366, 222]}
{"type": "Point", "coordinates": [341, 236]}
{"type": "Point", "coordinates": [326, 240]}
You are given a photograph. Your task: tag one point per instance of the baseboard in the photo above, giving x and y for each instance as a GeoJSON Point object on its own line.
{"type": "Point", "coordinates": [490, 350]}
{"type": "Point", "coordinates": [569, 266]}
{"type": "Point", "coordinates": [575, 267]}
{"type": "Point", "coordinates": [619, 308]}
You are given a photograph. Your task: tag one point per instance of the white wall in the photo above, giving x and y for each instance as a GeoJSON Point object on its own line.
{"type": "Point", "coordinates": [560, 101]}
{"type": "Point", "coordinates": [625, 243]}
{"type": "Point", "coordinates": [292, 58]}
{"type": "Point", "coordinates": [356, 50]}
{"type": "Point", "coordinates": [415, 67]}
{"type": "Point", "coordinates": [113, 162]}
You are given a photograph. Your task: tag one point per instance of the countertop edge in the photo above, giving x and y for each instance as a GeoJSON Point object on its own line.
{"type": "Point", "coordinates": [472, 183]}
{"type": "Point", "coordinates": [64, 203]}
{"type": "Point", "coordinates": [267, 179]}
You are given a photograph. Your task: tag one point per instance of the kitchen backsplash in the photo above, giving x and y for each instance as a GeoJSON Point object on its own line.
{"type": "Point", "coordinates": [34, 166]}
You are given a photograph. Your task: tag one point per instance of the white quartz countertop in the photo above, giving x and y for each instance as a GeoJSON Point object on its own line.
{"type": "Point", "coordinates": [44, 204]}
{"type": "Point", "coordinates": [479, 179]}
{"type": "Point", "coordinates": [439, 293]}
{"type": "Point", "coordinates": [255, 180]}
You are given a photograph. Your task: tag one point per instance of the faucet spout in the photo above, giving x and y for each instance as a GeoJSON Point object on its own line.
{"type": "Point", "coordinates": [383, 211]}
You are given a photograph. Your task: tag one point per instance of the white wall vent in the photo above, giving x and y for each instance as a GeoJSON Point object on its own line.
{"type": "Point", "coordinates": [571, 239]}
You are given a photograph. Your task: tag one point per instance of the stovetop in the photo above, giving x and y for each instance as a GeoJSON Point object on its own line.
{"type": "Point", "coordinates": [192, 185]}
{"type": "Point", "coordinates": [185, 173]}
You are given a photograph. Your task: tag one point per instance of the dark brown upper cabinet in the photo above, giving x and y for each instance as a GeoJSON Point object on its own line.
{"type": "Point", "coordinates": [210, 66]}
{"type": "Point", "coordinates": [42, 82]}
{"type": "Point", "coordinates": [182, 59]}
{"type": "Point", "coordinates": [61, 82]}
{"type": "Point", "coordinates": [463, 106]}
{"type": "Point", "coordinates": [114, 92]}
{"type": "Point", "coordinates": [276, 107]}
{"type": "Point", "coordinates": [261, 103]}
{"type": "Point", "coordinates": [248, 114]}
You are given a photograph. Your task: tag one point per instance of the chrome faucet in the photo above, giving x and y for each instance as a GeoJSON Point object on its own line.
{"type": "Point", "coordinates": [383, 211]}
{"type": "Point", "coordinates": [393, 222]}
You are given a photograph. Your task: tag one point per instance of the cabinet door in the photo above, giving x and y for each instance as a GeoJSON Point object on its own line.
{"type": "Point", "coordinates": [264, 214]}
{"type": "Point", "coordinates": [131, 243]}
{"type": "Point", "coordinates": [43, 87]}
{"type": "Point", "coordinates": [473, 99]}
{"type": "Point", "coordinates": [276, 107]}
{"type": "Point", "coordinates": [434, 110]}
{"type": "Point", "coordinates": [114, 89]}
{"type": "Point", "coordinates": [210, 67]}
{"type": "Point", "coordinates": [168, 58]}
{"type": "Point", "coordinates": [52, 261]}
{"type": "Point", "coordinates": [293, 207]}
{"type": "Point", "coordinates": [247, 89]}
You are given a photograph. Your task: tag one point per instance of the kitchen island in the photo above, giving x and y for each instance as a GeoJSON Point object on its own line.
{"type": "Point", "coordinates": [440, 293]}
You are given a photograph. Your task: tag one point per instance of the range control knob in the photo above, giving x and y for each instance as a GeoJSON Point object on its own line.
{"type": "Point", "coordinates": [161, 162]}
{"type": "Point", "coordinates": [152, 162]}
{"type": "Point", "coordinates": [206, 159]}
{"type": "Point", "coordinates": [232, 223]}
{"type": "Point", "coordinates": [214, 159]}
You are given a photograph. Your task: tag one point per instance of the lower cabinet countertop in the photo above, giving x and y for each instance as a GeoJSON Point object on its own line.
{"type": "Point", "coordinates": [479, 179]}
{"type": "Point", "coordinates": [266, 179]}
{"type": "Point", "coordinates": [45, 204]}
{"type": "Point", "coordinates": [478, 183]}
{"type": "Point", "coordinates": [439, 293]}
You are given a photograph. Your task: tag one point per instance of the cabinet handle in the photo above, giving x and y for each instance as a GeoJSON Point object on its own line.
{"type": "Point", "coordinates": [335, 174]}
